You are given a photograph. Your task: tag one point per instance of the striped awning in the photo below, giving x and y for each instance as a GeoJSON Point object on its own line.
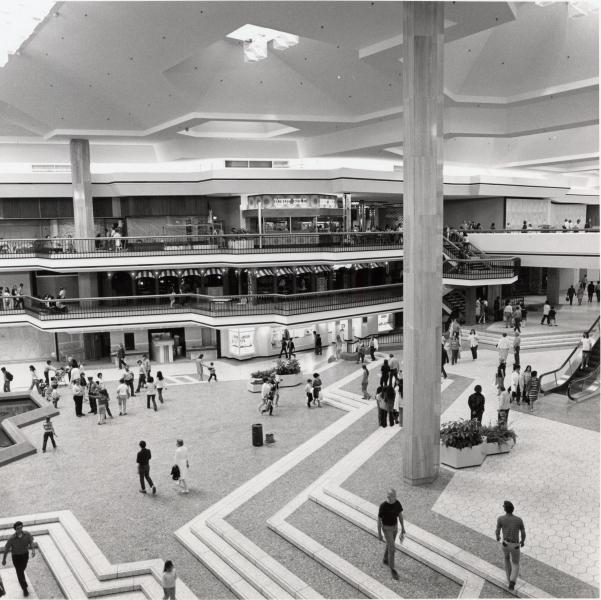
{"type": "Point", "coordinates": [370, 265]}
{"type": "Point", "coordinates": [189, 273]}
{"type": "Point", "coordinates": [301, 269]}
{"type": "Point", "coordinates": [212, 271]}
{"type": "Point", "coordinates": [145, 275]}
{"type": "Point", "coordinates": [266, 272]}
{"type": "Point", "coordinates": [323, 268]}
{"type": "Point", "coordinates": [167, 273]}
{"type": "Point", "coordinates": [283, 271]}
{"type": "Point", "coordinates": [344, 266]}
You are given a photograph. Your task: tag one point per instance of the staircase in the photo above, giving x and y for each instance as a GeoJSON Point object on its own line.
{"type": "Point", "coordinates": [529, 341]}
{"type": "Point", "coordinates": [81, 569]}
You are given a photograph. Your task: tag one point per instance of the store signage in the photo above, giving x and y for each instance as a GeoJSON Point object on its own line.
{"type": "Point", "coordinates": [242, 342]}
{"type": "Point", "coordinates": [293, 201]}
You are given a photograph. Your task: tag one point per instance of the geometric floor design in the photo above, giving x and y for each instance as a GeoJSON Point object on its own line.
{"type": "Point", "coordinates": [79, 566]}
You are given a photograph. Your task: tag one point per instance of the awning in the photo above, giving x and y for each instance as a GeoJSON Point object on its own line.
{"type": "Point", "coordinates": [145, 275]}
{"type": "Point", "coordinates": [167, 273]}
{"type": "Point", "coordinates": [344, 266]}
{"type": "Point", "coordinates": [264, 272]}
{"type": "Point", "coordinates": [212, 271]}
{"type": "Point", "coordinates": [283, 271]}
{"type": "Point", "coordinates": [370, 265]}
{"type": "Point", "coordinates": [302, 269]}
{"type": "Point", "coordinates": [189, 273]}
{"type": "Point", "coordinates": [323, 268]}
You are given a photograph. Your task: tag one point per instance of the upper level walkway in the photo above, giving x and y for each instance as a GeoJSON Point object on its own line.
{"type": "Point", "coordinates": [213, 311]}
{"type": "Point", "coordinates": [543, 247]}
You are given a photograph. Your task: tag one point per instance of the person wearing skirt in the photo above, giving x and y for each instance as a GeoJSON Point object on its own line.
{"type": "Point", "coordinates": [181, 460]}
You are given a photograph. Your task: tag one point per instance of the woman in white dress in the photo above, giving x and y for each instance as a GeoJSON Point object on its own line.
{"type": "Point", "coordinates": [181, 460]}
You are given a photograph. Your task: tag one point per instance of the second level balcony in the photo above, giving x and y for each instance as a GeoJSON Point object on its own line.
{"type": "Point", "coordinates": [214, 311]}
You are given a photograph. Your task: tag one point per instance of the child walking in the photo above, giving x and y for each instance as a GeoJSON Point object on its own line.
{"type": "Point", "coordinates": [212, 373]}
{"type": "Point", "coordinates": [309, 392]}
{"type": "Point", "coordinates": [49, 434]}
{"type": "Point", "coordinates": [168, 581]}
{"type": "Point", "coordinates": [160, 385]}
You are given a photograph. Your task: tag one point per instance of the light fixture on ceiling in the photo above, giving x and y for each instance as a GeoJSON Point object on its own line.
{"type": "Point", "coordinates": [18, 20]}
{"type": "Point", "coordinates": [255, 40]}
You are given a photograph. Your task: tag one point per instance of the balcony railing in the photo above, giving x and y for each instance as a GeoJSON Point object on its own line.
{"type": "Point", "coordinates": [65, 248]}
{"type": "Point", "coordinates": [490, 268]}
{"type": "Point", "coordinates": [212, 306]}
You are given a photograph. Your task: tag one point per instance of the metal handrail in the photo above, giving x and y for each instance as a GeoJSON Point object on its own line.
{"type": "Point", "coordinates": [491, 267]}
{"type": "Point", "coordinates": [570, 362]}
{"type": "Point", "coordinates": [230, 305]}
{"type": "Point", "coordinates": [584, 386]}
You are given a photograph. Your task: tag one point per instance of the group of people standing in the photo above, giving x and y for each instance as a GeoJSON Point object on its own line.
{"type": "Point", "coordinates": [12, 299]}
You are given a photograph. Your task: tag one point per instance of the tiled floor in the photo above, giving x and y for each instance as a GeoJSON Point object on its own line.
{"type": "Point", "coordinates": [552, 475]}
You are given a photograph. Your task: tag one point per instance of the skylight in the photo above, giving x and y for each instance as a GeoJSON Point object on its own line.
{"type": "Point", "coordinates": [256, 39]}
{"type": "Point", "coordinates": [18, 20]}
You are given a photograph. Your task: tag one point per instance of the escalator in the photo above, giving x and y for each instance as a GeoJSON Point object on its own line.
{"type": "Point", "coordinates": [585, 387]}
{"type": "Point", "coordinates": [570, 370]}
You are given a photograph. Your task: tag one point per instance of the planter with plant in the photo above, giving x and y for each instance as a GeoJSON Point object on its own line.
{"type": "Point", "coordinates": [240, 239]}
{"type": "Point", "coordinates": [461, 444]}
{"type": "Point", "coordinates": [499, 439]}
{"type": "Point", "coordinates": [288, 370]}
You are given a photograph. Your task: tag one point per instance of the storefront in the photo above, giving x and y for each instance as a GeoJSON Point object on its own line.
{"type": "Point", "coordinates": [294, 213]}
{"type": "Point", "coordinates": [266, 340]}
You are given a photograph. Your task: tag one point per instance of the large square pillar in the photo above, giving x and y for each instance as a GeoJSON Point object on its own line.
{"type": "Point", "coordinates": [83, 210]}
{"type": "Point", "coordinates": [423, 41]}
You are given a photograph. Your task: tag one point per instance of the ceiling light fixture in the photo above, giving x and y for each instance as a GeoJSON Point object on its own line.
{"type": "Point", "coordinates": [18, 20]}
{"type": "Point", "coordinates": [255, 40]}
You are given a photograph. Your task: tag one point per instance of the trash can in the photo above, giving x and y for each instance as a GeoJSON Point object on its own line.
{"type": "Point", "coordinates": [257, 430]}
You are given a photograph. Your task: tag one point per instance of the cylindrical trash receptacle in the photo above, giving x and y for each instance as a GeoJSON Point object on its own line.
{"type": "Point", "coordinates": [257, 434]}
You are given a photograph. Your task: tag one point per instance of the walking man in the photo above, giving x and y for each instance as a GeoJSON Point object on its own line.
{"type": "Point", "coordinates": [8, 377]}
{"type": "Point", "coordinates": [393, 363]}
{"type": "Point", "coordinates": [389, 512]}
{"type": "Point", "coordinates": [511, 526]}
{"type": "Point", "coordinates": [546, 309]}
{"type": "Point", "coordinates": [143, 460]}
{"type": "Point", "coordinates": [517, 342]}
{"type": "Point", "coordinates": [19, 544]}
{"type": "Point", "coordinates": [200, 367]}
{"type": "Point", "coordinates": [121, 356]}
{"type": "Point", "coordinates": [128, 378]}
{"type": "Point", "coordinates": [141, 376]}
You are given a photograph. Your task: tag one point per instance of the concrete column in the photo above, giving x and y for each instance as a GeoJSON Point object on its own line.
{"type": "Point", "coordinates": [470, 305]}
{"type": "Point", "coordinates": [553, 286]}
{"type": "Point", "coordinates": [82, 188]}
{"type": "Point", "coordinates": [422, 210]}
{"type": "Point", "coordinates": [87, 284]}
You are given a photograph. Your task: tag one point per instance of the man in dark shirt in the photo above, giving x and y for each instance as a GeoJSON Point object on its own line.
{"type": "Point", "coordinates": [19, 545]}
{"type": "Point", "coordinates": [511, 526]}
{"type": "Point", "coordinates": [476, 404]}
{"type": "Point", "coordinates": [143, 460]}
{"type": "Point", "coordinates": [389, 512]}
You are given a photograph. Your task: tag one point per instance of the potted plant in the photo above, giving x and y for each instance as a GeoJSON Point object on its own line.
{"type": "Point", "coordinates": [256, 379]}
{"type": "Point", "coordinates": [240, 240]}
{"type": "Point", "coordinates": [461, 444]}
{"type": "Point", "coordinates": [499, 439]}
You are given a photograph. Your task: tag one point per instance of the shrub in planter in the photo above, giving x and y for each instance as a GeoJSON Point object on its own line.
{"type": "Point", "coordinates": [461, 434]}
{"type": "Point", "coordinates": [461, 444]}
{"type": "Point", "coordinates": [289, 366]}
{"type": "Point", "coordinates": [498, 438]}
{"type": "Point", "coordinates": [258, 375]}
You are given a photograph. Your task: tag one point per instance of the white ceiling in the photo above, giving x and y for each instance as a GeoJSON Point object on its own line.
{"type": "Point", "coordinates": [521, 83]}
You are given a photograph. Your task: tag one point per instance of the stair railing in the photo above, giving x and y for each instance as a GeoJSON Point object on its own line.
{"type": "Point", "coordinates": [558, 377]}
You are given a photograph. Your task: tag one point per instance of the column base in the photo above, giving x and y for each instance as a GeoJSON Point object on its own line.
{"type": "Point", "coordinates": [420, 481]}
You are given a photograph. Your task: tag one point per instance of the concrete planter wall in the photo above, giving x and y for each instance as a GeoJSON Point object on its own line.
{"type": "Point", "coordinates": [494, 448]}
{"type": "Point", "coordinates": [286, 381]}
{"type": "Point", "coordinates": [466, 457]}
{"type": "Point", "coordinates": [241, 244]}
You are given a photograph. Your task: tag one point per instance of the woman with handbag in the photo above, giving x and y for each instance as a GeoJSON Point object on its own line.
{"type": "Point", "coordinates": [181, 460]}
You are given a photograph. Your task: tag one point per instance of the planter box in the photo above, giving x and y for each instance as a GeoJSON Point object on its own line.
{"type": "Point", "coordinates": [467, 457]}
{"type": "Point", "coordinates": [287, 381]}
{"type": "Point", "coordinates": [241, 244]}
{"type": "Point", "coordinates": [494, 448]}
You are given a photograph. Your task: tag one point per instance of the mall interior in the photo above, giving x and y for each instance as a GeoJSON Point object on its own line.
{"type": "Point", "coordinates": [225, 179]}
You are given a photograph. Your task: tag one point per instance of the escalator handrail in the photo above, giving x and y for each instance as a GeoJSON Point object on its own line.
{"type": "Point", "coordinates": [568, 359]}
{"type": "Point", "coordinates": [581, 381]}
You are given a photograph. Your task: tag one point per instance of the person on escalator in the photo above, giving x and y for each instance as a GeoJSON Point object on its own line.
{"type": "Point", "coordinates": [587, 345]}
